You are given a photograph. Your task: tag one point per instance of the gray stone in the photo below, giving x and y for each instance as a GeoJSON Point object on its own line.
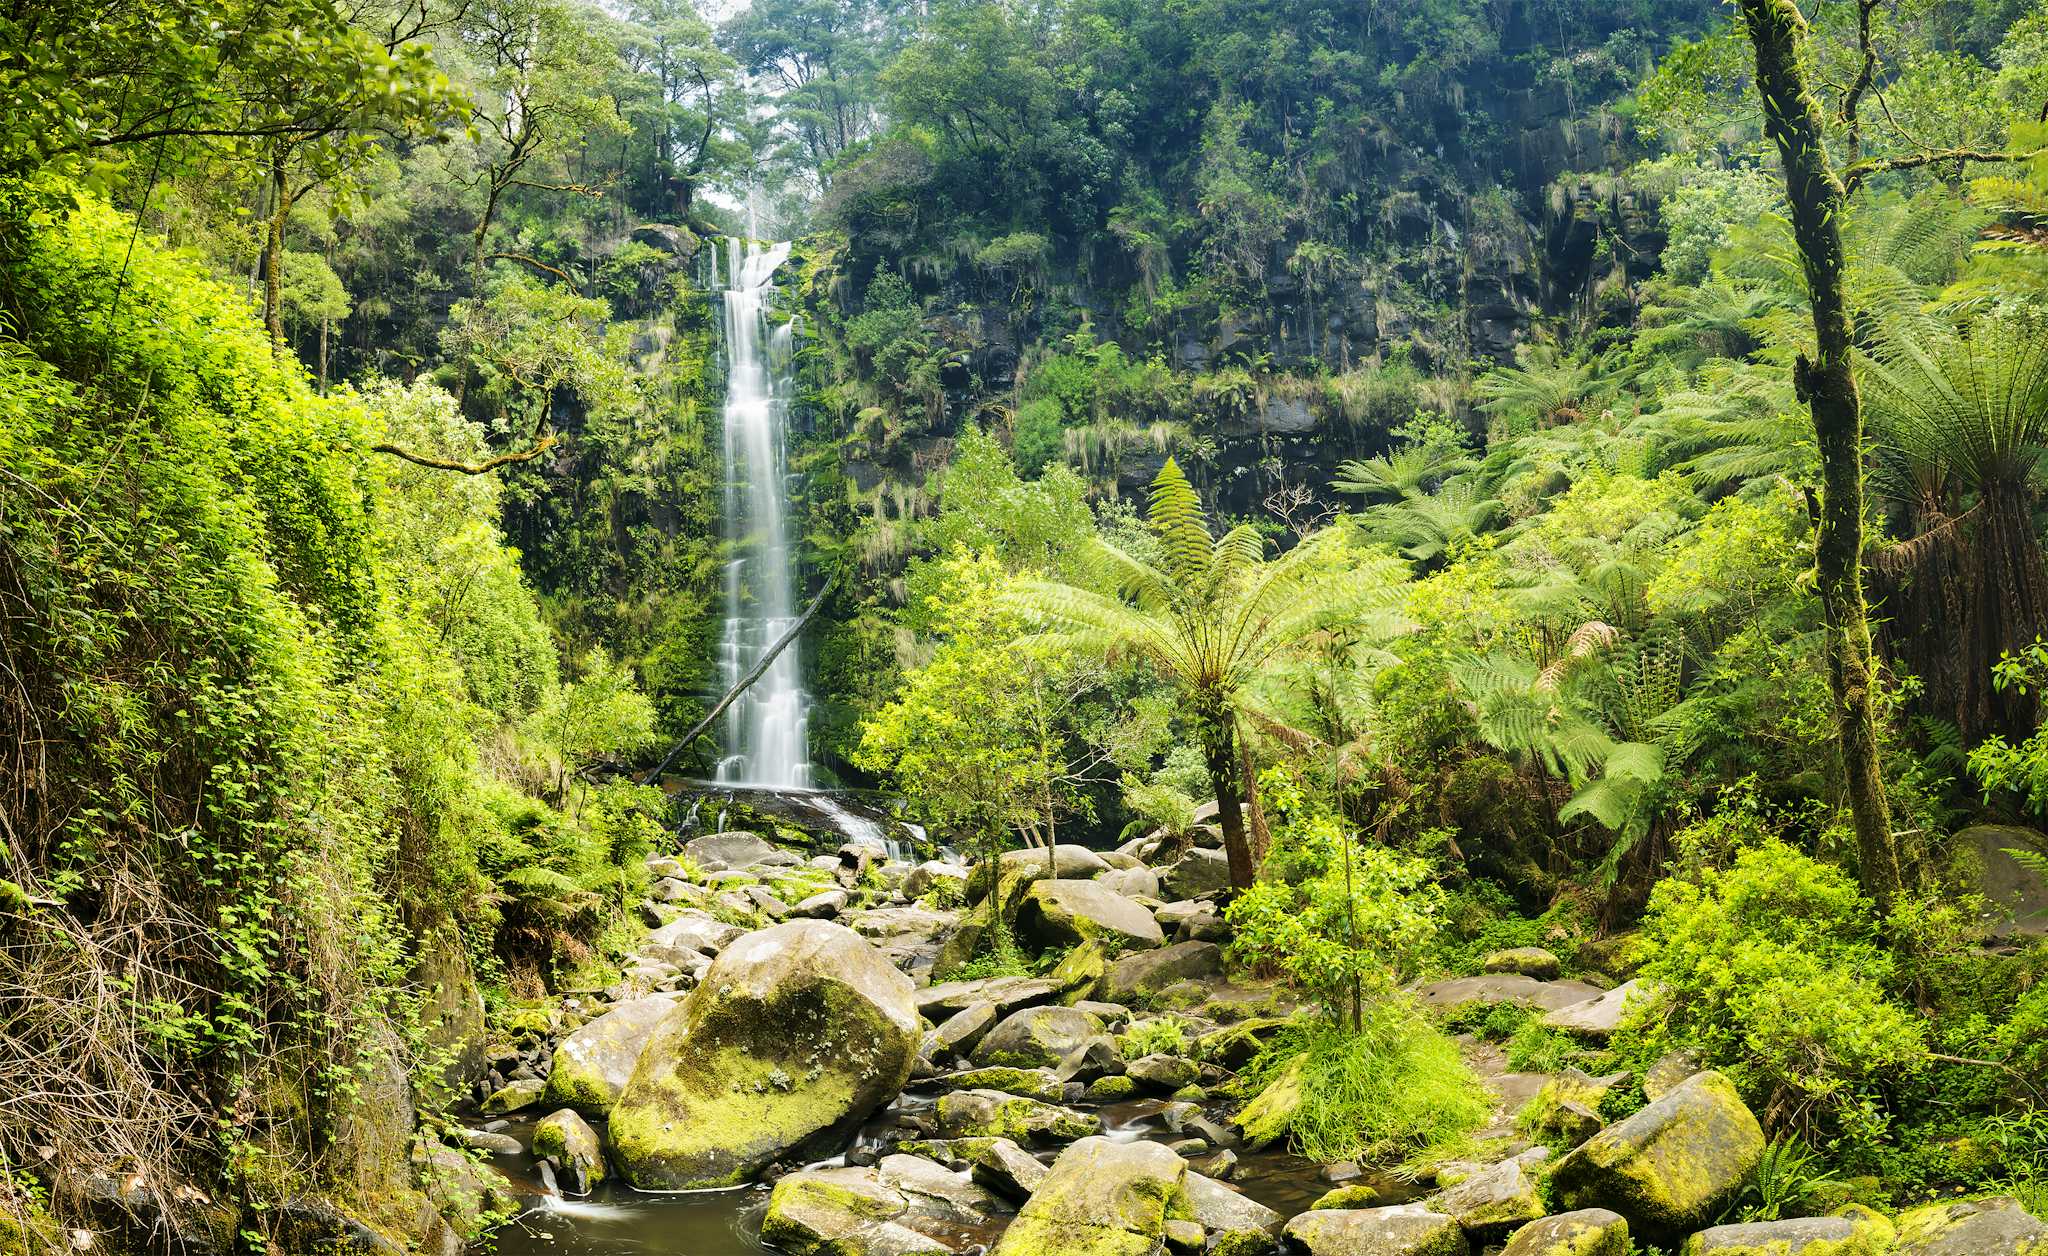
{"type": "Point", "coordinates": [1007, 1169]}
{"type": "Point", "coordinates": [1672, 1166]}
{"type": "Point", "coordinates": [1149, 972]}
{"type": "Point", "coordinates": [1067, 913]}
{"type": "Point", "coordinates": [1162, 1072]}
{"type": "Point", "coordinates": [1223, 1210]}
{"type": "Point", "coordinates": [720, 851]}
{"type": "Point", "coordinates": [1496, 1199]}
{"type": "Point", "coordinates": [1007, 994]}
{"type": "Point", "coordinates": [568, 1140]}
{"type": "Point", "coordinates": [1982, 1227]}
{"type": "Point", "coordinates": [844, 1212]}
{"type": "Point", "coordinates": [1597, 1018]}
{"type": "Point", "coordinates": [1588, 1232]}
{"type": "Point", "coordinates": [1037, 1037]}
{"type": "Point", "coordinates": [1196, 873]}
{"type": "Point", "coordinates": [1811, 1236]}
{"type": "Point", "coordinates": [998, 1114]}
{"type": "Point", "coordinates": [822, 906]}
{"type": "Point", "coordinates": [1400, 1230]}
{"type": "Point", "coordinates": [957, 1034]}
{"type": "Point", "coordinates": [1102, 1198]}
{"type": "Point", "coordinates": [1131, 882]}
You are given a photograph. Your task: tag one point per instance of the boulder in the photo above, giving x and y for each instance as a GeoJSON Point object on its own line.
{"type": "Point", "coordinates": [2016, 893]}
{"type": "Point", "coordinates": [995, 1114]}
{"type": "Point", "coordinates": [931, 875]}
{"type": "Point", "coordinates": [720, 851]}
{"type": "Point", "coordinates": [593, 1062]}
{"type": "Point", "coordinates": [1567, 1108]}
{"type": "Point", "coordinates": [1496, 1199]}
{"type": "Point", "coordinates": [1162, 1072]}
{"type": "Point", "coordinates": [795, 1036]}
{"type": "Point", "coordinates": [1007, 1169]}
{"type": "Point", "coordinates": [936, 1191]}
{"type": "Point", "coordinates": [1494, 988]}
{"type": "Point", "coordinates": [697, 931]}
{"type": "Point", "coordinates": [1037, 1037]}
{"type": "Point", "coordinates": [1032, 1083]}
{"type": "Point", "coordinates": [1132, 882]}
{"type": "Point", "coordinates": [843, 1212]}
{"type": "Point", "coordinates": [1225, 1212]}
{"type": "Point", "coordinates": [1669, 1073]}
{"type": "Point", "coordinates": [1197, 873]}
{"type": "Point", "coordinates": [1980, 1227]}
{"type": "Point", "coordinates": [513, 1096]}
{"type": "Point", "coordinates": [1018, 868]}
{"type": "Point", "coordinates": [568, 1140]}
{"type": "Point", "coordinates": [1079, 972]}
{"type": "Point", "coordinates": [1529, 961]}
{"type": "Point", "coordinates": [1068, 913]}
{"type": "Point", "coordinates": [1102, 1198]}
{"type": "Point", "coordinates": [822, 906]}
{"type": "Point", "coordinates": [1588, 1232]}
{"type": "Point", "coordinates": [1865, 1234]}
{"type": "Point", "coordinates": [1672, 1166]}
{"type": "Point", "coordinates": [1006, 994]}
{"type": "Point", "coordinates": [1597, 1018]}
{"type": "Point", "coordinates": [1401, 1230]}
{"type": "Point", "coordinates": [957, 1034]}
{"type": "Point", "coordinates": [1148, 972]}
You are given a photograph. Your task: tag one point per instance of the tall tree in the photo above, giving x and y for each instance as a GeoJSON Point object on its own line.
{"type": "Point", "coordinates": [1818, 192]}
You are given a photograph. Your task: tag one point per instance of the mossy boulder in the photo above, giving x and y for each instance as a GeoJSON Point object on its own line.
{"type": "Point", "coordinates": [1038, 1037]}
{"type": "Point", "coordinates": [1080, 972]}
{"type": "Point", "coordinates": [1068, 913]}
{"type": "Point", "coordinates": [568, 1139]}
{"type": "Point", "coordinates": [1530, 961]}
{"type": "Point", "coordinates": [1009, 1170]}
{"type": "Point", "coordinates": [1032, 1083]}
{"type": "Point", "coordinates": [593, 1063]}
{"type": "Point", "coordinates": [1496, 1199]}
{"type": "Point", "coordinates": [1979, 1227]}
{"type": "Point", "coordinates": [1587, 1232]}
{"type": "Point", "coordinates": [1102, 1198]}
{"type": "Point", "coordinates": [513, 1096]}
{"type": "Point", "coordinates": [843, 1212]}
{"type": "Point", "coordinates": [1672, 1166]}
{"type": "Point", "coordinates": [796, 1034]}
{"type": "Point", "coordinates": [1225, 1212]}
{"type": "Point", "coordinates": [1402, 1230]}
{"type": "Point", "coordinates": [1864, 1234]}
{"type": "Point", "coordinates": [994, 1114]}
{"type": "Point", "coordinates": [1112, 1088]}
{"type": "Point", "coordinates": [1567, 1108]}
{"type": "Point", "coordinates": [1149, 973]}
{"type": "Point", "coordinates": [1163, 1072]}
{"type": "Point", "coordinates": [1271, 1112]}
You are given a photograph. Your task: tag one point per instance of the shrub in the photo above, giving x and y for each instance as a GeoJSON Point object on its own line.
{"type": "Point", "coordinates": [1165, 1035]}
{"type": "Point", "coordinates": [1393, 1087]}
{"type": "Point", "coordinates": [1773, 972]}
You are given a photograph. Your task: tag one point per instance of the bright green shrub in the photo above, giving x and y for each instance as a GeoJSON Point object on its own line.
{"type": "Point", "coordinates": [1774, 971]}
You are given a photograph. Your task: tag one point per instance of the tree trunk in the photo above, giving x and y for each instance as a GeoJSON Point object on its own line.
{"type": "Point", "coordinates": [1219, 748]}
{"type": "Point", "coordinates": [273, 255]}
{"type": "Point", "coordinates": [325, 324]}
{"type": "Point", "coordinates": [1793, 119]}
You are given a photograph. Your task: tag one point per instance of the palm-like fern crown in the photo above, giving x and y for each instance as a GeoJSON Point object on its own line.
{"type": "Point", "coordinates": [1972, 400]}
{"type": "Point", "coordinates": [1211, 614]}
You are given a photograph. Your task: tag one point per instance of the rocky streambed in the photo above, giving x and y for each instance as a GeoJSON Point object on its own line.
{"type": "Point", "coordinates": [793, 1062]}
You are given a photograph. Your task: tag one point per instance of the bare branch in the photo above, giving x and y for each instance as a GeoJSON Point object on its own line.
{"type": "Point", "coordinates": [540, 446]}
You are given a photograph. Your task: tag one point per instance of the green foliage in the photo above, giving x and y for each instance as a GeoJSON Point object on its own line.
{"type": "Point", "coordinates": [1160, 1035]}
{"type": "Point", "coordinates": [1393, 1087]}
{"type": "Point", "coordinates": [1774, 971]}
{"type": "Point", "coordinates": [1787, 1179]}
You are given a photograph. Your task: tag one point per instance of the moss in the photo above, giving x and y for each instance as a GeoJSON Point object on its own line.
{"type": "Point", "coordinates": [1192, 1093]}
{"type": "Point", "coordinates": [991, 1114]}
{"type": "Point", "coordinates": [1353, 1195]}
{"type": "Point", "coordinates": [1111, 1088]}
{"type": "Point", "coordinates": [1030, 1082]}
{"type": "Point", "coordinates": [1244, 1243]}
{"type": "Point", "coordinates": [1671, 1164]}
{"type": "Point", "coordinates": [1080, 972]}
{"type": "Point", "coordinates": [1268, 1117]}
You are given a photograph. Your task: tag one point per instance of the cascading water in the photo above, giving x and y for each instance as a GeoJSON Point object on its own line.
{"type": "Point", "coordinates": [765, 728]}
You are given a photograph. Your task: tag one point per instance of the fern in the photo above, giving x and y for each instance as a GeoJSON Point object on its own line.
{"type": "Point", "coordinates": [1174, 510]}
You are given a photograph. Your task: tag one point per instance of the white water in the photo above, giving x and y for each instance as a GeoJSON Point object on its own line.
{"type": "Point", "coordinates": [765, 728]}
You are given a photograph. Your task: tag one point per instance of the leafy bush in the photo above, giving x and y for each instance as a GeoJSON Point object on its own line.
{"type": "Point", "coordinates": [1346, 921]}
{"type": "Point", "coordinates": [1773, 971]}
{"type": "Point", "coordinates": [1164, 1035]}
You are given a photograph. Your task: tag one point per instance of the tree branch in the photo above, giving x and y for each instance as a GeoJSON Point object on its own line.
{"type": "Point", "coordinates": [1854, 175]}
{"type": "Point", "coordinates": [540, 446]}
{"type": "Point", "coordinates": [754, 673]}
{"type": "Point", "coordinates": [537, 264]}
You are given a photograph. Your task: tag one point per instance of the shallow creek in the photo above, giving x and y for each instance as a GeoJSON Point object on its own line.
{"type": "Point", "coordinates": [614, 1220]}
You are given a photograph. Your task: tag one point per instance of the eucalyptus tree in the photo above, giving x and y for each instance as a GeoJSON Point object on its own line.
{"type": "Point", "coordinates": [1210, 616]}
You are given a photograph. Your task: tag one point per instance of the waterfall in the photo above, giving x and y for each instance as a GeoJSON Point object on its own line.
{"type": "Point", "coordinates": [765, 742]}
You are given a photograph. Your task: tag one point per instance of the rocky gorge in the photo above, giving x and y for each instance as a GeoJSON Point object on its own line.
{"type": "Point", "coordinates": [795, 1035]}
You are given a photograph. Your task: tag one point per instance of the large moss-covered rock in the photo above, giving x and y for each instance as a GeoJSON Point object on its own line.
{"type": "Point", "coordinates": [1981, 1227]}
{"type": "Point", "coordinates": [594, 1061]}
{"type": "Point", "coordinates": [1588, 1232]}
{"type": "Point", "coordinates": [796, 1034]}
{"type": "Point", "coordinates": [568, 1139]}
{"type": "Point", "coordinates": [1271, 1112]}
{"type": "Point", "coordinates": [1080, 973]}
{"type": "Point", "coordinates": [1672, 1166]}
{"type": "Point", "coordinates": [1864, 1234]}
{"type": "Point", "coordinates": [1497, 1198]}
{"type": "Point", "coordinates": [1038, 1037]}
{"type": "Point", "coordinates": [1402, 1230]}
{"type": "Point", "coordinates": [1032, 1083]}
{"type": "Point", "coordinates": [1102, 1198]}
{"type": "Point", "coordinates": [843, 1212]}
{"type": "Point", "coordinates": [1149, 972]}
{"type": "Point", "coordinates": [1068, 913]}
{"type": "Point", "coordinates": [995, 1114]}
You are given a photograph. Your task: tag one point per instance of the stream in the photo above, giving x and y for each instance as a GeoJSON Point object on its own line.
{"type": "Point", "coordinates": [615, 1220]}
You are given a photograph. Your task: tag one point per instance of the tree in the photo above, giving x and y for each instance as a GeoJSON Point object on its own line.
{"type": "Point", "coordinates": [821, 59]}
{"type": "Point", "coordinates": [1209, 616]}
{"type": "Point", "coordinates": [683, 100]}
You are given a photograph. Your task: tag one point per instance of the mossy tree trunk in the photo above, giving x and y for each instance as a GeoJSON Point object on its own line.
{"type": "Point", "coordinates": [1826, 382]}
{"type": "Point", "coordinates": [1219, 751]}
